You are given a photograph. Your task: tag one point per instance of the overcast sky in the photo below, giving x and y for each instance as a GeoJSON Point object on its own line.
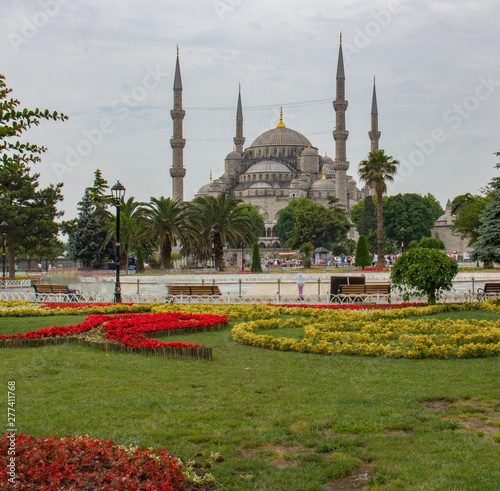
{"type": "Point", "coordinates": [109, 65]}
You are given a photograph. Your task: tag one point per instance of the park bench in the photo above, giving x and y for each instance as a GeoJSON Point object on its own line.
{"type": "Point", "coordinates": [191, 267]}
{"type": "Point", "coordinates": [359, 293]}
{"type": "Point", "coordinates": [193, 290]}
{"type": "Point", "coordinates": [490, 289]}
{"type": "Point", "coordinates": [43, 292]}
{"type": "Point", "coordinates": [34, 275]}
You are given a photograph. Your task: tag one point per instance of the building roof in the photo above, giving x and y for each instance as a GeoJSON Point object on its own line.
{"type": "Point", "coordinates": [279, 137]}
{"type": "Point", "coordinates": [268, 166]}
{"type": "Point", "coordinates": [323, 185]}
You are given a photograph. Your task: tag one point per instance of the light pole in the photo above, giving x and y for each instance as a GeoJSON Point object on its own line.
{"type": "Point", "coordinates": [402, 239]}
{"type": "Point", "coordinates": [242, 257]}
{"type": "Point", "coordinates": [4, 226]}
{"type": "Point", "coordinates": [118, 193]}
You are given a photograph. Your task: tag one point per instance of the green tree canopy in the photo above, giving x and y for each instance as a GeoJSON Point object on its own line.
{"type": "Point", "coordinates": [487, 245]}
{"type": "Point", "coordinates": [411, 212]}
{"type": "Point", "coordinates": [256, 266]}
{"type": "Point", "coordinates": [467, 209]}
{"type": "Point", "coordinates": [432, 243]}
{"type": "Point", "coordinates": [422, 271]}
{"type": "Point", "coordinates": [286, 217]}
{"type": "Point", "coordinates": [255, 217]}
{"type": "Point", "coordinates": [362, 253]}
{"type": "Point", "coordinates": [30, 212]}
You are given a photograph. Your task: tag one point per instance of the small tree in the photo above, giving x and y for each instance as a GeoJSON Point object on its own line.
{"type": "Point", "coordinates": [256, 266]}
{"type": "Point", "coordinates": [307, 249]}
{"type": "Point", "coordinates": [432, 243]}
{"type": "Point", "coordinates": [423, 271]}
{"type": "Point", "coordinates": [362, 253]}
{"type": "Point", "coordinates": [140, 261]}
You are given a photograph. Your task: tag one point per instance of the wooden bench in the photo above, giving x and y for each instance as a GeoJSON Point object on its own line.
{"type": "Point", "coordinates": [193, 290]}
{"type": "Point", "coordinates": [44, 291]}
{"type": "Point", "coordinates": [490, 289]}
{"type": "Point", "coordinates": [34, 275]}
{"type": "Point", "coordinates": [191, 267]}
{"type": "Point", "coordinates": [359, 293]}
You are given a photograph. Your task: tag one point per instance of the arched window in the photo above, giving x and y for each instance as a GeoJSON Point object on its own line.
{"type": "Point", "coordinates": [262, 245]}
{"type": "Point", "coordinates": [268, 232]}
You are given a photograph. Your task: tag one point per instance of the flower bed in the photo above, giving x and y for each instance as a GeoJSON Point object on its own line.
{"type": "Point", "coordinates": [84, 463]}
{"type": "Point", "coordinates": [382, 333]}
{"type": "Point", "coordinates": [128, 332]}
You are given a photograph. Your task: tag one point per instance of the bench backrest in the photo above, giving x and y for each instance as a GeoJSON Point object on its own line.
{"type": "Point", "coordinates": [491, 287]}
{"type": "Point", "coordinates": [51, 288]}
{"type": "Point", "coordinates": [367, 288]}
{"type": "Point", "coordinates": [194, 290]}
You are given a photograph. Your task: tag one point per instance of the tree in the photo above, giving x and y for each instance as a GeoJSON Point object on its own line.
{"type": "Point", "coordinates": [368, 222]}
{"type": "Point", "coordinates": [423, 271]}
{"type": "Point", "coordinates": [434, 205]}
{"type": "Point", "coordinates": [326, 224]}
{"type": "Point", "coordinates": [467, 209]}
{"type": "Point", "coordinates": [307, 250]}
{"type": "Point", "coordinates": [487, 245]}
{"type": "Point", "coordinates": [219, 221]}
{"type": "Point", "coordinates": [407, 217]}
{"type": "Point", "coordinates": [255, 217]}
{"type": "Point", "coordinates": [30, 212]}
{"type": "Point", "coordinates": [362, 253]}
{"type": "Point", "coordinates": [286, 217]}
{"type": "Point", "coordinates": [375, 171]}
{"type": "Point", "coordinates": [256, 265]}
{"type": "Point", "coordinates": [167, 224]}
{"type": "Point", "coordinates": [86, 242]}
{"type": "Point", "coordinates": [432, 243]}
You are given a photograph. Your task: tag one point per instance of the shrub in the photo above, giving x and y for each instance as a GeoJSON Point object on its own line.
{"type": "Point", "coordinates": [256, 266]}
{"type": "Point", "coordinates": [432, 243]}
{"type": "Point", "coordinates": [423, 271]}
{"type": "Point", "coordinates": [362, 253]}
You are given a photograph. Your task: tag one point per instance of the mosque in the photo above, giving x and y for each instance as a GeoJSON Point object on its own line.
{"type": "Point", "coordinates": [280, 165]}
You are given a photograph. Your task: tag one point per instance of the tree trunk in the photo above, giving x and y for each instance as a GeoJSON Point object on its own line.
{"type": "Point", "coordinates": [380, 232]}
{"type": "Point", "coordinates": [167, 254]}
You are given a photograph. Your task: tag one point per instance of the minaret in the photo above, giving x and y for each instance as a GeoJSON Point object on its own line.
{"type": "Point", "coordinates": [177, 142]}
{"type": "Point", "coordinates": [239, 139]}
{"type": "Point", "coordinates": [340, 134]}
{"type": "Point", "coordinates": [374, 133]}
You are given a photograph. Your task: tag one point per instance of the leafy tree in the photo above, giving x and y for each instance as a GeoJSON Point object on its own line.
{"type": "Point", "coordinates": [307, 250]}
{"type": "Point", "coordinates": [29, 212]}
{"type": "Point", "coordinates": [376, 171]}
{"type": "Point", "coordinates": [487, 245]}
{"type": "Point", "coordinates": [86, 242]}
{"type": "Point", "coordinates": [286, 217]}
{"type": "Point", "coordinates": [368, 222]}
{"type": "Point", "coordinates": [411, 212]}
{"type": "Point", "coordinates": [467, 209]}
{"type": "Point", "coordinates": [166, 224]}
{"type": "Point", "coordinates": [140, 261]}
{"type": "Point", "coordinates": [432, 243]}
{"type": "Point", "coordinates": [326, 224]}
{"type": "Point", "coordinates": [362, 253]}
{"type": "Point", "coordinates": [219, 221]}
{"type": "Point", "coordinates": [434, 205]}
{"type": "Point", "coordinates": [423, 271]}
{"type": "Point", "coordinates": [256, 265]}
{"type": "Point", "coordinates": [255, 217]}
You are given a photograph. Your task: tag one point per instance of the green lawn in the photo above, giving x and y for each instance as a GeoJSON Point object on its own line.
{"type": "Point", "coordinates": [281, 420]}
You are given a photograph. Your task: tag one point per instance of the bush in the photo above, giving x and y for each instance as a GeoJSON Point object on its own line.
{"type": "Point", "coordinates": [362, 253]}
{"type": "Point", "coordinates": [423, 271]}
{"type": "Point", "coordinates": [256, 266]}
{"type": "Point", "coordinates": [307, 250]}
{"type": "Point", "coordinates": [432, 243]}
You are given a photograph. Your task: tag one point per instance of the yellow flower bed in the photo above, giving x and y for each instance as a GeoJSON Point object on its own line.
{"type": "Point", "coordinates": [381, 333]}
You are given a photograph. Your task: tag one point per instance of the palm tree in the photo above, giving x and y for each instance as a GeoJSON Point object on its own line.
{"type": "Point", "coordinates": [218, 221]}
{"type": "Point", "coordinates": [166, 224]}
{"type": "Point", "coordinates": [376, 171]}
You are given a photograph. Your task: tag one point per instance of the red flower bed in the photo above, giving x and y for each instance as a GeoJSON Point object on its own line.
{"type": "Point", "coordinates": [129, 329]}
{"type": "Point", "coordinates": [352, 307]}
{"type": "Point", "coordinates": [50, 464]}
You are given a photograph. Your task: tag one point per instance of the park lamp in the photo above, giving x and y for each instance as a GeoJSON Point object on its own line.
{"type": "Point", "coordinates": [4, 225]}
{"type": "Point", "coordinates": [212, 236]}
{"type": "Point", "coordinates": [118, 193]}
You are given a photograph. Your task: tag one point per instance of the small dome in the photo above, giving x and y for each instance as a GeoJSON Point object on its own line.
{"type": "Point", "coordinates": [278, 137]}
{"type": "Point", "coordinates": [233, 156]}
{"type": "Point", "coordinates": [327, 160]}
{"type": "Point", "coordinates": [268, 166]}
{"type": "Point", "coordinates": [206, 189]}
{"type": "Point", "coordinates": [309, 151]}
{"type": "Point", "coordinates": [323, 185]}
{"type": "Point", "coordinates": [261, 185]}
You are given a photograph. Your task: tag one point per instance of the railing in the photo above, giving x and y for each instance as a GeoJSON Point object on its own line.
{"type": "Point", "coordinates": [15, 283]}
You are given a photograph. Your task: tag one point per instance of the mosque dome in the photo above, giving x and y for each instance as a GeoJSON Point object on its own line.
{"type": "Point", "coordinates": [233, 156]}
{"type": "Point", "coordinates": [309, 151]}
{"type": "Point", "coordinates": [261, 185]}
{"type": "Point", "coordinates": [206, 189]}
{"type": "Point", "coordinates": [268, 166]}
{"type": "Point", "coordinates": [327, 160]}
{"type": "Point", "coordinates": [323, 185]}
{"type": "Point", "coordinates": [280, 137]}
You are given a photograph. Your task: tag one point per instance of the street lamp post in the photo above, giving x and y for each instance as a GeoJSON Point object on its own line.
{"type": "Point", "coordinates": [242, 257]}
{"type": "Point", "coordinates": [212, 235]}
{"type": "Point", "coordinates": [4, 226]}
{"type": "Point", "coordinates": [402, 230]}
{"type": "Point", "coordinates": [118, 193]}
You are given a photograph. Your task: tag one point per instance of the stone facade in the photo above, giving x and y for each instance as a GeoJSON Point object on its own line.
{"type": "Point", "coordinates": [442, 230]}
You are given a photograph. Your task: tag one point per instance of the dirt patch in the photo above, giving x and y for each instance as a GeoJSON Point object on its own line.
{"type": "Point", "coordinates": [477, 417]}
{"type": "Point", "coordinates": [280, 456]}
{"type": "Point", "coordinates": [357, 480]}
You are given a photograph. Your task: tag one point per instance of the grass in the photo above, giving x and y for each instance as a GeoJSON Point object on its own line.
{"type": "Point", "coordinates": [281, 420]}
